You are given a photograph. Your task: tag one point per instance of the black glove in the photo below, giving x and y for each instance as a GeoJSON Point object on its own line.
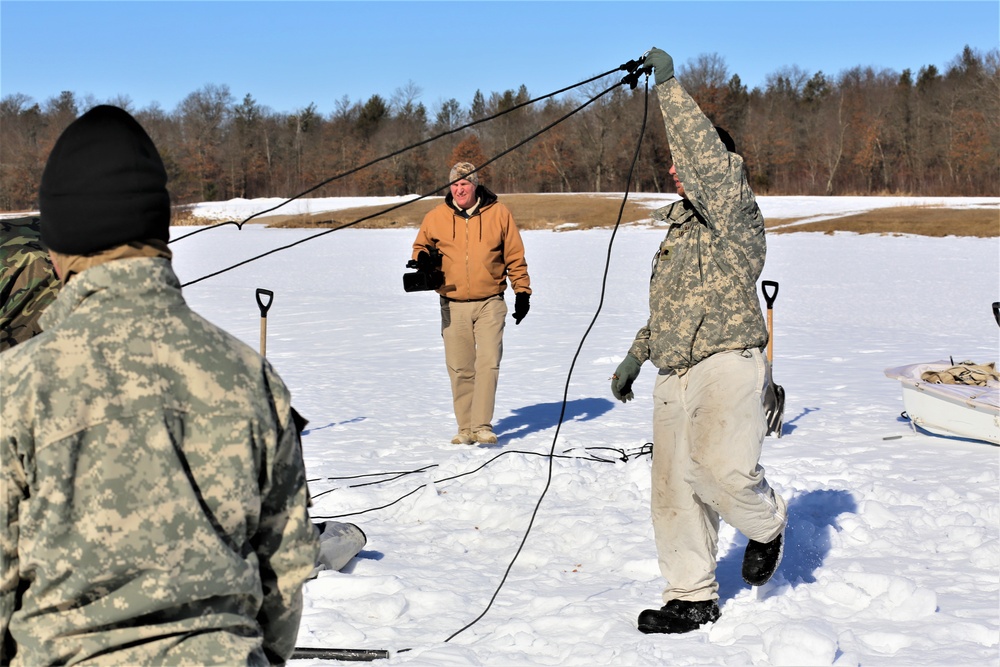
{"type": "Point", "coordinates": [521, 306]}
{"type": "Point", "coordinates": [662, 64]}
{"type": "Point", "coordinates": [625, 375]}
{"type": "Point", "coordinates": [423, 262]}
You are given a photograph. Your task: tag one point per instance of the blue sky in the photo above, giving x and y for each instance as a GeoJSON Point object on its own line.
{"type": "Point", "coordinates": [290, 54]}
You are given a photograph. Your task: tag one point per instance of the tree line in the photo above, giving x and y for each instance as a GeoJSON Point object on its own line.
{"type": "Point", "coordinates": [864, 131]}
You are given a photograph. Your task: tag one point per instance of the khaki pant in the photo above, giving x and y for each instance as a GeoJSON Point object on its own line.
{"type": "Point", "coordinates": [473, 345]}
{"type": "Point", "coordinates": [708, 428]}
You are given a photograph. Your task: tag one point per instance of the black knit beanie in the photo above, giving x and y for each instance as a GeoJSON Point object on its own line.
{"type": "Point", "coordinates": [104, 185]}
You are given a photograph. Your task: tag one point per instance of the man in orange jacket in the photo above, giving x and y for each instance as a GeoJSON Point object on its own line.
{"type": "Point", "coordinates": [481, 250]}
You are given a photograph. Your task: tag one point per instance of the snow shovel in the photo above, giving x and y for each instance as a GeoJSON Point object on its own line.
{"type": "Point", "coordinates": [263, 317]}
{"type": "Point", "coordinates": [774, 394]}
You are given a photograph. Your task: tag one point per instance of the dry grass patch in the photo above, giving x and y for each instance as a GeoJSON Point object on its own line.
{"type": "Point", "coordinates": [587, 211]}
{"type": "Point", "coordinates": [408, 215]}
{"type": "Point", "coordinates": [530, 211]}
{"type": "Point", "coordinates": [920, 220]}
{"type": "Point", "coordinates": [180, 216]}
{"type": "Point", "coordinates": [580, 211]}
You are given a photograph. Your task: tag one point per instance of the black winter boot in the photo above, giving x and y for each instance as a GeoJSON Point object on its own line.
{"type": "Point", "coordinates": [761, 559]}
{"type": "Point", "coordinates": [678, 616]}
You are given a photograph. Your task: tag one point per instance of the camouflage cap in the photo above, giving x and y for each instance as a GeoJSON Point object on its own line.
{"type": "Point", "coordinates": [464, 170]}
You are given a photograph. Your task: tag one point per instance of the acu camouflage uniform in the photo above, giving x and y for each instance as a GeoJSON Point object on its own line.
{"type": "Point", "coordinates": [154, 495]}
{"type": "Point", "coordinates": [703, 288]}
{"type": "Point", "coordinates": [705, 333]}
{"type": "Point", "coordinates": [28, 282]}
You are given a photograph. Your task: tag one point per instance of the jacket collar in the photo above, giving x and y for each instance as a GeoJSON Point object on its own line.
{"type": "Point", "coordinates": [129, 277]}
{"type": "Point", "coordinates": [484, 195]}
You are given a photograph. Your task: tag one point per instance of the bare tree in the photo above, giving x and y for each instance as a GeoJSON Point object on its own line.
{"type": "Point", "coordinates": [865, 130]}
{"type": "Point", "coordinates": [204, 115]}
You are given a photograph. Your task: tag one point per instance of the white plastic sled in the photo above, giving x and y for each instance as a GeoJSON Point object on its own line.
{"type": "Point", "coordinates": [953, 410]}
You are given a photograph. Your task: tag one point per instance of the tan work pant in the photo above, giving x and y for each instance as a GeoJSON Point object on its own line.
{"type": "Point", "coordinates": [473, 345]}
{"type": "Point", "coordinates": [708, 428]}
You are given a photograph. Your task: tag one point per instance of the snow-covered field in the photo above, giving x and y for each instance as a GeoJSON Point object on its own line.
{"type": "Point", "coordinates": [893, 551]}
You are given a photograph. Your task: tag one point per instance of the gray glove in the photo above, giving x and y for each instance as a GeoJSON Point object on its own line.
{"type": "Point", "coordinates": [662, 64]}
{"type": "Point", "coordinates": [625, 375]}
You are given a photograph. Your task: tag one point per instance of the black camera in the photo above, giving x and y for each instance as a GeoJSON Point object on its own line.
{"type": "Point", "coordinates": [428, 274]}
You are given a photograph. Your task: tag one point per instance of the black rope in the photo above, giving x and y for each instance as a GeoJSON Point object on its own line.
{"type": "Point", "coordinates": [370, 509]}
{"type": "Point", "coordinates": [411, 201]}
{"type": "Point", "coordinates": [394, 477]}
{"type": "Point", "coordinates": [376, 474]}
{"type": "Point", "coordinates": [569, 375]}
{"type": "Point", "coordinates": [445, 479]}
{"type": "Point", "coordinates": [364, 654]}
{"type": "Point", "coordinates": [623, 455]}
{"type": "Point", "coordinates": [368, 655]}
{"type": "Point", "coordinates": [633, 67]}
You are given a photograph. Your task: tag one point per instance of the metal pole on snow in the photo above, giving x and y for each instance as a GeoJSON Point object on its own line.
{"type": "Point", "coordinates": [346, 654]}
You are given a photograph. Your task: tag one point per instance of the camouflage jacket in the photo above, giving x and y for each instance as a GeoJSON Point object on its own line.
{"type": "Point", "coordinates": [28, 282]}
{"type": "Point", "coordinates": [703, 288]}
{"type": "Point", "coordinates": [154, 494]}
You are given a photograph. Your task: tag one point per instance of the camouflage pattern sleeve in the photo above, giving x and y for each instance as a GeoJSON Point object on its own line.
{"type": "Point", "coordinates": [714, 179]}
{"type": "Point", "coordinates": [28, 282]}
{"type": "Point", "coordinates": [286, 541]}
{"type": "Point", "coordinates": [12, 489]}
{"type": "Point", "coordinates": [640, 346]}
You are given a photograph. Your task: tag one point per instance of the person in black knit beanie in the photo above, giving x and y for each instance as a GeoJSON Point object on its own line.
{"type": "Point", "coordinates": [104, 185]}
{"type": "Point", "coordinates": [156, 509]}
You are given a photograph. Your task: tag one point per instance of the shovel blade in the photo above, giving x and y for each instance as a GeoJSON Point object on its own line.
{"type": "Point", "coordinates": [774, 406]}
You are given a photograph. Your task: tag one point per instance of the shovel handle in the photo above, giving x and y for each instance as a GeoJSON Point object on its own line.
{"type": "Point", "coordinates": [996, 311]}
{"type": "Point", "coordinates": [769, 298]}
{"type": "Point", "coordinates": [263, 316]}
{"type": "Point", "coordinates": [260, 302]}
{"type": "Point", "coordinates": [765, 285]}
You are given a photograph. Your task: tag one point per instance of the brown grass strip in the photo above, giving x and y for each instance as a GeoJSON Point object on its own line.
{"type": "Point", "coordinates": [919, 220]}
{"type": "Point", "coordinates": [531, 211]}
{"type": "Point", "coordinates": [589, 211]}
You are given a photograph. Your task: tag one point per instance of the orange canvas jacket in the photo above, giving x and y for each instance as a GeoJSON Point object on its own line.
{"type": "Point", "coordinates": [479, 253]}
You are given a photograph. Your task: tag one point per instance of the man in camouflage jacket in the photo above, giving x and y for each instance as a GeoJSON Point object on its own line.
{"type": "Point", "coordinates": [27, 281]}
{"type": "Point", "coordinates": [705, 336]}
{"type": "Point", "coordinates": [154, 494]}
